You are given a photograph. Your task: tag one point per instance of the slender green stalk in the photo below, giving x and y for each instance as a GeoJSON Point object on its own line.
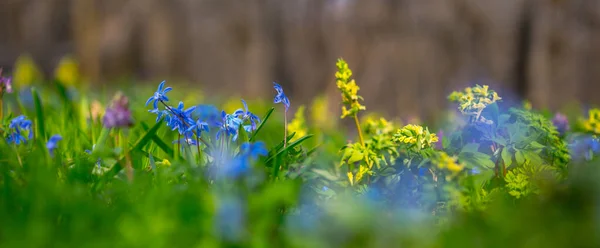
{"type": "Point", "coordinates": [1, 111]}
{"type": "Point", "coordinates": [284, 129]}
{"type": "Point", "coordinates": [360, 135]}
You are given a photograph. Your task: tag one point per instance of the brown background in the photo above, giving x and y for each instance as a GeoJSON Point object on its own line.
{"type": "Point", "coordinates": [407, 54]}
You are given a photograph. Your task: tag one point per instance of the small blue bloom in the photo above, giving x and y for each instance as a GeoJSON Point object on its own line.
{"type": "Point", "coordinates": [209, 114]}
{"type": "Point", "coordinates": [17, 127]}
{"type": "Point", "coordinates": [422, 171]}
{"type": "Point", "coordinates": [229, 125]}
{"type": "Point", "coordinates": [53, 143]}
{"type": "Point", "coordinates": [244, 114]}
{"type": "Point", "coordinates": [281, 97]}
{"type": "Point", "coordinates": [253, 150]}
{"type": "Point", "coordinates": [475, 171]}
{"type": "Point", "coordinates": [160, 114]}
{"type": "Point", "coordinates": [325, 188]}
{"type": "Point", "coordinates": [160, 95]}
{"type": "Point", "coordinates": [181, 119]}
{"type": "Point", "coordinates": [198, 127]}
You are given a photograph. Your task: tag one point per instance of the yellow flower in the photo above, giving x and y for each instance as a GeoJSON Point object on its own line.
{"type": "Point", "coordinates": [349, 90]}
{"type": "Point", "coordinates": [449, 163]}
{"type": "Point", "coordinates": [26, 72]}
{"type": "Point", "coordinates": [351, 178]}
{"type": "Point", "coordinates": [592, 124]}
{"type": "Point", "coordinates": [67, 72]}
{"type": "Point", "coordinates": [164, 163]}
{"type": "Point", "coordinates": [298, 124]}
{"type": "Point", "coordinates": [414, 134]}
{"type": "Point", "coordinates": [361, 172]}
{"type": "Point", "coordinates": [319, 113]}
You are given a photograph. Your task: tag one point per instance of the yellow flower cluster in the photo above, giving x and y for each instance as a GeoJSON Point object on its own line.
{"type": "Point", "coordinates": [26, 72]}
{"type": "Point", "coordinates": [67, 72]}
{"type": "Point", "coordinates": [298, 124]}
{"type": "Point", "coordinates": [362, 171]}
{"type": "Point", "coordinates": [377, 126]}
{"type": "Point", "coordinates": [473, 100]}
{"type": "Point", "coordinates": [415, 135]}
{"type": "Point", "coordinates": [592, 124]}
{"type": "Point", "coordinates": [349, 90]}
{"type": "Point", "coordinates": [320, 114]}
{"type": "Point", "coordinates": [450, 163]}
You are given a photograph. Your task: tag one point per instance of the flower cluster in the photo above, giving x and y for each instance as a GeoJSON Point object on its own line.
{"type": "Point", "coordinates": [349, 89]}
{"type": "Point", "coordinates": [378, 126]}
{"type": "Point", "coordinates": [473, 100]}
{"type": "Point", "coordinates": [118, 114]}
{"type": "Point", "coordinates": [592, 124]}
{"type": "Point", "coordinates": [450, 163]}
{"type": "Point", "coordinates": [298, 124]}
{"type": "Point", "coordinates": [240, 164]}
{"type": "Point", "coordinates": [5, 84]}
{"type": "Point", "coordinates": [192, 122]}
{"type": "Point", "coordinates": [561, 123]}
{"type": "Point", "coordinates": [415, 136]}
{"type": "Point", "coordinates": [19, 130]}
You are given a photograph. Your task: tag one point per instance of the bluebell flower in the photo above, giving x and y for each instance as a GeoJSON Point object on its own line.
{"type": "Point", "coordinates": [181, 119]}
{"type": "Point", "coordinates": [253, 150]}
{"type": "Point", "coordinates": [17, 127]}
{"type": "Point", "coordinates": [52, 143]}
{"type": "Point", "coordinates": [160, 114]}
{"type": "Point", "coordinates": [244, 114]}
{"type": "Point", "coordinates": [281, 97]}
{"type": "Point", "coordinates": [209, 114]}
{"type": "Point", "coordinates": [198, 127]}
{"type": "Point", "coordinates": [160, 95]}
{"type": "Point", "coordinates": [228, 126]}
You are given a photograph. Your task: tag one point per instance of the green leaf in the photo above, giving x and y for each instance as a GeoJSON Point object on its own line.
{"type": "Point", "coordinates": [470, 147]}
{"type": "Point", "coordinates": [477, 159]}
{"type": "Point", "coordinates": [39, 112]}
{"type": "Point", "coordinates": [326, 174]}
{"type": "Point", "coordinates": [262, 123]}
{"type": "Point", "coordinates": [290, 146]}
{"type": "Point", "coordinates": [159, 142]}
{"type": "Point", "coordinates": [519, 157]}
{"type": "Point", "coordinates": [355, 157]}
{"type": "Point", "coordinates": [506, 157]}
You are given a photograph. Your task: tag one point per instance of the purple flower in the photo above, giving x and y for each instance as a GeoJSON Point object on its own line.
{"type": "Point", "coordinates": [53, 143]}
{"type": "Point", "coordinates": [118, 114]}
{"type": "Point", "coordinates": [281, 97]}
{"type": "Point", "coordinates": [5, 84]}
{"type": "Point", "coordinates": [561, 123]}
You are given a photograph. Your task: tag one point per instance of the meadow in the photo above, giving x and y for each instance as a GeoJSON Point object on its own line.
{"type": "Point", "coordinates": [164, 166]}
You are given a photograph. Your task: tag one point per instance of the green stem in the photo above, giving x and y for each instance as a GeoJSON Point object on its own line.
{"type": "Point", "coordinates": [1, 111]}
{"type": "Point", "coordinates": [360, 136]}
{"type": "Point", "coordinates": [285, 129]}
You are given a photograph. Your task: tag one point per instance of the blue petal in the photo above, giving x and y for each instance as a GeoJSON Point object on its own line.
{"type": "Point", "coordinates": [245, 105]}
{"type": "Point", "coordinates": [166, 90]}
{"type": "Point", "coordinates": [149, 100]}
{"type": "Point", "coordinates": [161, 86]}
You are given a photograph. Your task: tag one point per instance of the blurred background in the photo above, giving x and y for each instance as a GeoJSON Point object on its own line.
{"type": "Point", "coordinates": [407, 55]}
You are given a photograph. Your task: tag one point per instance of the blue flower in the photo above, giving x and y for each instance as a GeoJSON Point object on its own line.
{"type": "Point", "coordinates": [17, 127]}
{"type": "Point", "coordinates": [208, 113]}
{"type": "Point", "coordinates": [181, 119]}
{"type": "Point", "coordinates": [199, 126]}
{"type": "Point", "coordinates": [281, 97]}
{"type": "Point", "coordinates": [244, 114]}
{"type": "Point", "coordinates": [229, 125]}
{"type": "Point", "coordinates": [160, 114]}
{"type": "Point", "coordinates": [160, 95]}
{"type": "Point", "coordinates": [53, 143]}
{"type": "Point", "coordinates": [253, 150]}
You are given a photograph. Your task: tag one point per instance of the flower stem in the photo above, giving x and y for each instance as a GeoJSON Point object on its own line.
{"type": "Point", "coordinates": [285, 129]}
{"type": "Point", "coordinates": [199, 150]}
{"type": "Point", "coordinates": [1, 111]}
{"type": "Point", "coordinates": [360, 136]}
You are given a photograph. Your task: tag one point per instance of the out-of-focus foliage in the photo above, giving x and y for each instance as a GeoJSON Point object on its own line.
{"type": "Point", "coordinates": [183, 173]}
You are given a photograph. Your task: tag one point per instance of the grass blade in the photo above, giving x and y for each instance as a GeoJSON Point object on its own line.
{"type": "Point", "coordinates": [262, 123]}
{"type": "Point", "coordinates": [39, 113]}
